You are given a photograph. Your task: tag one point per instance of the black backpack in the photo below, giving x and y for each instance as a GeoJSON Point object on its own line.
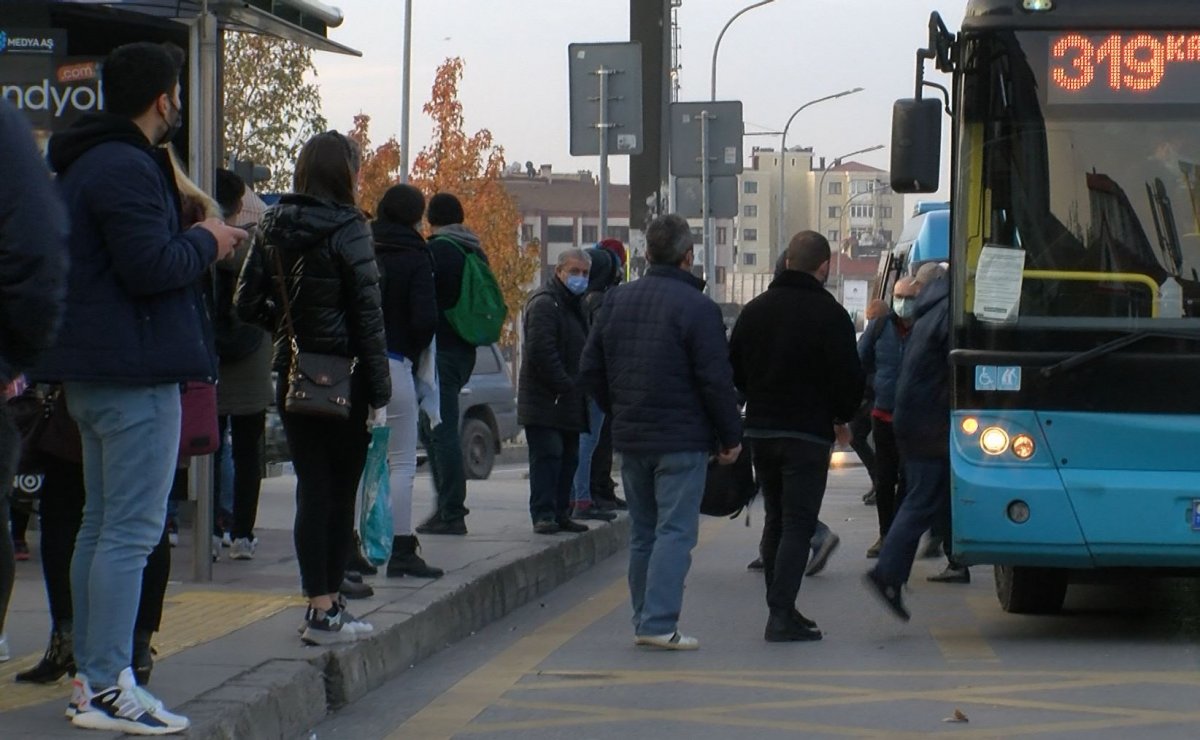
{"type": "Point", "coordinates": [729, 488]}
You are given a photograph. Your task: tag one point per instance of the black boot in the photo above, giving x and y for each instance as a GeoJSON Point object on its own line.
{"type": "Point", "coordinates": [58, 660]}
{"type": "Point", "coordinates": [143, 657]}
{"type": "Point", "coordinates": [358, 562]}
{"type": "Point", "coordinates": [406, 562]}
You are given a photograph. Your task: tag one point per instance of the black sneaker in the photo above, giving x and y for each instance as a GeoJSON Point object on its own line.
{"type": "Point", "coordinates": [358, 562]}
{"type": "Point", "coordinates": [755, 564]}
{"type": "Point", "coordinates": [802, 620]}
{"type": "Point", "coordinates": [785, 628]}
{"type": "Point", "coordinates": [566, 524]}
{"type": "Point", "coordinates": [352, 590]}
{"type": "Point", "coordinates": [821, 554]}
{"type": "Point", "coordinates": [328, 628]}
{"type": "Point", "coordinates": [546, 526]}
{"type": "Point", "coordinates": [889, 595]}
{"type": "Point", "coordinates": [440, 526]}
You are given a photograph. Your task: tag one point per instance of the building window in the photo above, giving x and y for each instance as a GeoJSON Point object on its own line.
{"type": "Point", "coordinates": [862, 211]}
{"type": "Point", "coordinates": [750, 187]}
{"type": "Point", "coordinates": [750, 211]}
{"type": "Point", "coordinates": [749, 235]}
{"type": "Point", "coordinates": [885, 212]}
{"type": "Point", "coordinates": [526, 233]}
{"type": "Point", "coordinates": [862, 186]}
{"type": "Point", "coordinates": [832, 235]}
{"type": "Point", "coordinates": [697, 235]}
{"type": "Point", "coordinates": [560, 234]}
{"type": "Point", "coordinates": [835, 212]}
{"type": "Point", "coordinates": [620, 233]}
{"type": "Point", "coordinates": [591, 234]}
{"type": "Point", "coordinates": [835, 188]}
{"type": "Point", "coordinates": [749, 259]}
{"type": "Point", "coordinates": [722, 235]}
{"type": "Point", "coordinates": [720, 275]}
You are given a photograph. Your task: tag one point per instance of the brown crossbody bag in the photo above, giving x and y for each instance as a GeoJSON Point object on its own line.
{"type": "Point", "coordinates": [318, 384]}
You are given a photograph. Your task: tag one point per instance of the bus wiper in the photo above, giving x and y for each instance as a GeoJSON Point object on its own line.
{"type": "Point", "coordinates": [1082, 358]}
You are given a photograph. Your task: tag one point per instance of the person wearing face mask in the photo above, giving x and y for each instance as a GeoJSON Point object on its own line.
{"type": "Point", "coordinates": [881, 350]}
{"type": "Point", "coordinates": [795, 363]}
{"type": "Point", "coordinates": [550, 404]}
{"type": "Point", "coordinates": [134, 329]}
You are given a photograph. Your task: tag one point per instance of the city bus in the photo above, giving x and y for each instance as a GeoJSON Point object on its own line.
{"type": "Point", "coordinates": [1075, 300]}
{"type": "Point", "coordinates": [924, 238]}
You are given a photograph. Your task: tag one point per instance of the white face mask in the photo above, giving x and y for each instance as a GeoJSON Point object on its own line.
{"type": "Point", "coordinates": [904, 307]}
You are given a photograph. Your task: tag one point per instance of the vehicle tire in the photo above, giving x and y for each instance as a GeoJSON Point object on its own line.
{"type": "Point", "coordinates": [1023, 590]}
{"type": "Point", "coordinates": [478, 448]}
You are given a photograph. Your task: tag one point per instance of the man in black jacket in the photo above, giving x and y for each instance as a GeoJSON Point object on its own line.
{"type": "Point", "coordinates": [795, 361]}
{"type": "Point", "coordinates": [33, 264]}
{"type": "Point", "coordinates": [921, 421]}
{"type": "Point", "coordinates": [658, 363]}
{"type": "Point", "coordinates": [550, 404]}
{"type": "Point", "coordinates": [455, 363]}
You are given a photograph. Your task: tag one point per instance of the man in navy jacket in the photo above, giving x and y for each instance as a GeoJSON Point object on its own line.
{"type": "Point", "coordinates": [657, 362]}
{"type": "Point", "coordinates": [134, 329]}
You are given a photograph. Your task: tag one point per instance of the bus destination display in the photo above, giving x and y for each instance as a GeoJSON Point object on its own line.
{"type": "Point", "coordinates": [1122, 68]}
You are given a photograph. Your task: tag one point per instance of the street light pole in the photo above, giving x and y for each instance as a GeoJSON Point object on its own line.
{"type": "Point", "coordinates": [837, 162]}
{"type": "Point", "coordinates": [779, 227]}
{"type": "Point", "coordinates": [721, 35]}
{"type": "Point", "coordinates": [405, 80]}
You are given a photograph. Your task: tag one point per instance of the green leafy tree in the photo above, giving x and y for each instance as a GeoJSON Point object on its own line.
{"type": "Point", "coordinates": [270, 110]}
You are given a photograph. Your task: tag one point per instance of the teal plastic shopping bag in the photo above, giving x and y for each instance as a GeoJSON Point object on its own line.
{"type": "Point", "coordinates": [375, 523]}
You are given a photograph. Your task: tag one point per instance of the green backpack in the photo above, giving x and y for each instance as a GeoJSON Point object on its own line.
{"type": "Point", "coordinates": [479, 315]}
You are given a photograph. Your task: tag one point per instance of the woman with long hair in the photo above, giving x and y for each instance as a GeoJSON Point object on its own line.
{"type": "Point", "coordinates": [322, 246]}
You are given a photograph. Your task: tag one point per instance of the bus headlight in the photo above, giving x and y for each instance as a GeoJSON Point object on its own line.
{"type": "Point", "coordinates": [970, 425]}
{"type": "Point", "coordinates": [1023, 446]}
{"type": "Point", "coordinates": [994, 441]}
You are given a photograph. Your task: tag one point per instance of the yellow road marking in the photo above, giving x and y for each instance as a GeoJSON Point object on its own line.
{"type": "Point", "coordinates": [451, 712]}
{"type": "Point", "coordinates": [962, 643]}
{"type": "Point", "coordinates": [189, 619]}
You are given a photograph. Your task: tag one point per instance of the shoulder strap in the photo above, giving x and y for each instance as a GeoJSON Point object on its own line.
{"type": "Point", "coordinates": [461, 247]}
{"type": "Point", "coordinates": [281, 283]}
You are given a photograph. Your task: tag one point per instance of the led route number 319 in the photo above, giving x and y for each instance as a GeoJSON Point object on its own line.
{"type": "Point", "coordinates": [1134, 63]}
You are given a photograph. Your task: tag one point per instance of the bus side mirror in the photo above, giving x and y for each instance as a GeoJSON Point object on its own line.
{"type": "Point", "coordinates": [916, 145]}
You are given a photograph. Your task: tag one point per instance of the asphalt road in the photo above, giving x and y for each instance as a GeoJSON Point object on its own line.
{"type": "Point", "coordinates": [1120, 662]}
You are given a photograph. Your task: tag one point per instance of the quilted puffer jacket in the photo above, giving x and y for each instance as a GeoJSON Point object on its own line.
{"type": "Point", "coordinates": [332, 282]}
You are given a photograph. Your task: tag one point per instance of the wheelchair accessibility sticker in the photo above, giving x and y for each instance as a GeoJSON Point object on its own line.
{"type": "Point", "coordinates": [993, 378]}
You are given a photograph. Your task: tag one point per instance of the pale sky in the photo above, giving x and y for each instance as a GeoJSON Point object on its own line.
{"type": "Point", "coordinates": [774, 58]}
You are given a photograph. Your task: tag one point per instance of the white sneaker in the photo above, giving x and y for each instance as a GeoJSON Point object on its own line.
{"type": "Point", "coordinates": [128, 708]}
{"type": "Point", "coordinates": [81, 694]}
{"type": "Point", "coordinates": [4, 654]}
{"type": "Point", "coordinates": [216, 548]}
{"type": "Point", "coordinates": [669, 641]}
{"type": "Point", "coordinates": [173, 539]}
{"type": "Point", "coordinates": [226, 540]}
{"type": "Point", "coordinates": [243, 549]}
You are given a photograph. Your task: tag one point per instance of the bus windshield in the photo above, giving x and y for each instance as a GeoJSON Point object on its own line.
{"type": "Point", "coordinates": [1081, 189]}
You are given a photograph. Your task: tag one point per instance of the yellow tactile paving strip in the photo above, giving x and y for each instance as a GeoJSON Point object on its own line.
{"type": "Point", "coordinates": [189, 618]}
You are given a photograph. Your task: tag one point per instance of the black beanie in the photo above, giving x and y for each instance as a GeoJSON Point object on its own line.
{"type": "Point", "coordinates": [444, 210]}
{"type": "Point", "coordinates": [401, 204]}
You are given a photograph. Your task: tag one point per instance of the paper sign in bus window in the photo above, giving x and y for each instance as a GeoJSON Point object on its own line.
{"type": "Point", "coordinates": [998, 283]}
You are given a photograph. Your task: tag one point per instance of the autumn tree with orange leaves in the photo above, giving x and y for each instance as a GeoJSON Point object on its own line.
{"type": "Point", "coordinates": [380, 167]}
{"type": "Point", "coordinates": [471, 167]}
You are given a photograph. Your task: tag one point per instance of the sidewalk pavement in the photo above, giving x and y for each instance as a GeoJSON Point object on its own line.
{"type": "Point", "coordinates": [229, 656]}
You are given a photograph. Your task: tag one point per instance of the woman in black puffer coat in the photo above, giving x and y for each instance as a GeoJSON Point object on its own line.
{"type": "Point", "coordinates": [324, 245]}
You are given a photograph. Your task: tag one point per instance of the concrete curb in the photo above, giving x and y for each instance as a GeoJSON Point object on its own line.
{"type": "Point", "coordinates": [285, 698]}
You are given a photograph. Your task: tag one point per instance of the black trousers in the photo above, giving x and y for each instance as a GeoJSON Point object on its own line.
{"type": "Point", "coordinates": [328, 457]}
{"type": "Point", "coordinates": [553, 457]}
{"type": "Point", "coordinates": [889, 474]}
{"type": "Point", "coordinates": [247, 432]}
{"type": "Point", "coordinates": [60, 513]}
{"type": "Point", "coordinates": [860, 429]}
{"type": "Point", "coordinates": [10, 452]}
{"type": "Point", "coordinates": [602, 486]}
{"type": "Point", "coordinates": [792, 475]}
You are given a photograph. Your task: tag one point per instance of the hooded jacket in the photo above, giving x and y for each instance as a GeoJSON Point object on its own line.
{"type": "Point", "coordinates": [333, 288]}
{"type": "Point", "coordinates": [602, 275]}
{"type": "Point", "coordinates": [922, 415]}
{"type": "Point", "coordinates": [548, 393]}
{"type": "Point", "coordinates": [448, 261]}
{"type": "Point", "coordinates": [410, 310]}
{"type": "Point", "coordinates": [33, 254]}
{"type": "Point", "coordinates": [134, 309]}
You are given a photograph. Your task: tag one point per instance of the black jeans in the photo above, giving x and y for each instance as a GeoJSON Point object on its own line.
{"type": "Point", "coordinates": [553, 457]}
{"type": "Point", "coordinates": [442, 443]}
{"type": "Point", "coordinates": [792, 475]}
{"type": "Point", "coordinates": [10, 452]}
{"type": "Point", "coordinates": [328, 456]}
{"type": "Point", "coordinates": [603, 488]}
{"type": "Point", "coordinates": [889, 477]}
{"type": "Point", "coordinates": [860, 429]}
{"type": "Point", "coordinates": [247, 432]}
{"type": "Point", "coordinates": [60, 513]}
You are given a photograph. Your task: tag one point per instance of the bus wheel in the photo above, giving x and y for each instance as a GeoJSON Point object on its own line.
{"type": "Point", "coordinates": [1030, 590]}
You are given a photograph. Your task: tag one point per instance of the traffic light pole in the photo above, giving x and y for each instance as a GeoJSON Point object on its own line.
{"type": "Point", "coordinates": [705, 211]}
{"type": "Point", "coordinates": [602, 127]}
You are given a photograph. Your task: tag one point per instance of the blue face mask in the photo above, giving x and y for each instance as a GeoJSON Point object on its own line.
{"type": "Point", "coordinates": [904, 307]}
{"type": "Point", "coordinates": [577, 284]}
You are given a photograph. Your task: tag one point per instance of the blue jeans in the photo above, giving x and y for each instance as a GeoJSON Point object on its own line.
{"type": "Point", "coordinates": [663, 491]}
{"type": "Point", "coordinates": [130, 445]}
{"type": "Point", "coordinates": [927, 499]}
{"type": "Point", "coordinates": [581, 489]}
